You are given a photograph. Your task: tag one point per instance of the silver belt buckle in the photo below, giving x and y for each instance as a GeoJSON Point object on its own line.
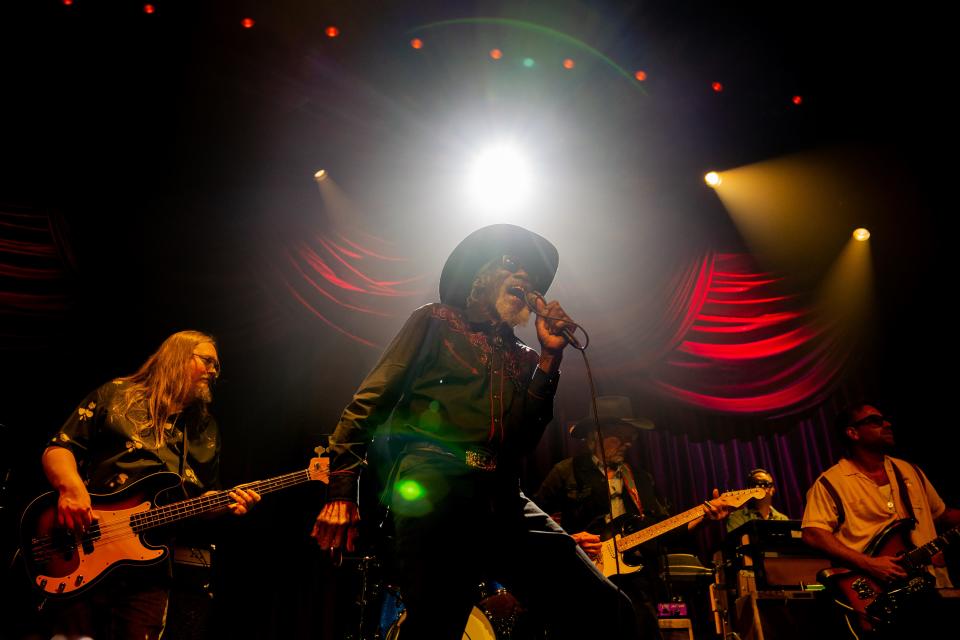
{"type": "Point", "coordinates": [481, 460]}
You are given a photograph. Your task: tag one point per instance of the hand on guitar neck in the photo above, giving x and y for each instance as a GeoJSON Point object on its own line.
{"type": "Point", "coordinates": [244, 499]}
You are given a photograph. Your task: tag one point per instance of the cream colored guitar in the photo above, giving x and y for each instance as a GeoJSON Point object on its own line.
{"type": "Point", "coordinates": [610, 560]}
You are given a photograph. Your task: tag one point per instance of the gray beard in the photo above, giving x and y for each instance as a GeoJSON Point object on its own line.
{"type": "Point", "coordinates": [508, 312]}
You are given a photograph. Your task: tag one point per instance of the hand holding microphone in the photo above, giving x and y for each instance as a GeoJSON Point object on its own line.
{"type": "Point", "coordinates": [555, 329]}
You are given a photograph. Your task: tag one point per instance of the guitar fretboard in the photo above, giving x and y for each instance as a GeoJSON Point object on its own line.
{"type": "Point", "coordinates": [629, 542]}
{"type": "Point", "coordinates": [210, 503]}
{"type": "Point", "coordinates": [734, 499]}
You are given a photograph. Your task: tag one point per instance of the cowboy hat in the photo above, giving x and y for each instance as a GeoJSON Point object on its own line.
{"type": "Point", "coordinates": [612, 411]}
{"type": "Point", "coordinates": [536, 255]}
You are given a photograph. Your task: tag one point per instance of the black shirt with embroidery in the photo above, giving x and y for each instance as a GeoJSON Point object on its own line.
{"type": "Point", "coordinates": [112, 450]}
{"type": "Point", "coordinates": [452, 379]}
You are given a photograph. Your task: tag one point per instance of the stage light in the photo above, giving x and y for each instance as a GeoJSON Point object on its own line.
{"type": "Point", "coordinates": [569, 63]}
{"type": "Point", "coordinates": [861, 234]}
{"type": "Point", "coordinates": [332, 31]}
{"type": "Point", "coordinates": [797, 100]}
{"type": "Point", "coordinates": [67, 3]}
{"type": "Point", "coordinates": [528, 63]}
{"type": "Point", "coordinates": [410, 490]}
{"type": "Point", "coordinates": [499, 179]}
{"type": "Point", "coordinates": [416, 43]}
{"type": "Point", "coordinates": [320, 176]}
{"type": "Point", "coordinates": [247, 23]}
{"type": "Point", "coordinates": [496, 54]}
{"type": "Point", "coordinates": [640, 76]}
{"type": "Point", "coordinates": [716, 86]}
{"type": "Point", "coordinates": [149, 8]}
{"type": "Point", "coordinates": [713, 179]}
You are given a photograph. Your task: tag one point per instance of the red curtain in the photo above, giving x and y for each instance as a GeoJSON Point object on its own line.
{"type": "Point", "coordinates": [745, 345]}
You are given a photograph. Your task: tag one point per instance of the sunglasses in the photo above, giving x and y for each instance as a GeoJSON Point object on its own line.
{"type": "Point", "coordinates": [871, 421]}
{"type": "Point", "coordinates": [763, 484]}
{"type": "Point", "coordinates": [511, 264]}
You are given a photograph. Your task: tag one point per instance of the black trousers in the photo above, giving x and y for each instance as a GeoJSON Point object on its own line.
{"type": "Point", "coordinates": [456, 527]}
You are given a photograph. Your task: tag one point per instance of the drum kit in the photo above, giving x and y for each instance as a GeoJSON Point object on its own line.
{"type": "Point", "coordinates": [496, 615]}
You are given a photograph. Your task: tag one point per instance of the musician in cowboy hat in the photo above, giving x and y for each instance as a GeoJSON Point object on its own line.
{"type": "Point", "coordinates": [598, 489]}
{"type": "Point", "coordinates": [466, 399]}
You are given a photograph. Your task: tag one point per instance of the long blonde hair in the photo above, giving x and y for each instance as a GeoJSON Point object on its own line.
{"type": "Point", "coordinates": [162, 383]}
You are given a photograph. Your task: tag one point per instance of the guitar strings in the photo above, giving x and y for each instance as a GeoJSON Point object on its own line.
{"type": "Point", "coordinates": [113, 529]}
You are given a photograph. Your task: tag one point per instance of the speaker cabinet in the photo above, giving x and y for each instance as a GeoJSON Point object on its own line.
{"type": "Point", "coordinates": [789, 616]}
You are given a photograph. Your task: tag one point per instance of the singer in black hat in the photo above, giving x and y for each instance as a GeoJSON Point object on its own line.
{"type": "Point", "coordinates": [466, 400]}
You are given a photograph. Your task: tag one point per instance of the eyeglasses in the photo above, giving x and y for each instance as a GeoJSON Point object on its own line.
{"type": "Point", "coordinates": [871, 421]}
{"type": "Point", "coordinates": [763, 484]}
{"type": "Point", "coordinates": [209, 361]}
{"type": "Point", "coordinates": [511, 264]}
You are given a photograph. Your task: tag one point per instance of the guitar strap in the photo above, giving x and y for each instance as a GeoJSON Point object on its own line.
{"type": "Point", "coordinates": [904, 494]}
{"type": "Point", "coordinates": [841, 515]}
{"type": "Point", "coordinates": [631, 485]}
{"type": "Point", "coordinates": [183, 450]}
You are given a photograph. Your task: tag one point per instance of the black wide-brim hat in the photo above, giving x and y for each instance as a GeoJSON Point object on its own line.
{"type": "Point", "coordinates": [535, 253]}
{"type": "Point", "coordinates": [612, 411]}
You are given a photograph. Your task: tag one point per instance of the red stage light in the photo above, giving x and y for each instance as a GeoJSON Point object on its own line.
{"type": "Point", "coordinates": [332, 32]}
{"type": "Point", "coordinates": [67, 2]}
{"type": "Point", "coordinates": [640, 76]}
{"type": "Point", "coordinates": [717, 87]}
{"type": "Point", "coordinates": [149, 8]}
{"type": "Point", "coordinates": [247, 23]}
{"type": "Point", "coordinates": [496, 54]}
{"type": "Point", "coordinates": [416, 43]}
{"type": "Point", "coordinates": [797, 100]}
{"type": "Point", "coordinates": [569, 63]}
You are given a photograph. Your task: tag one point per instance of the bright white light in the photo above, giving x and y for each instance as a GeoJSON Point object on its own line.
{"type": "Point", "coordinates": [713, 179]}
{"type": "Point", "coordinates": [500, 179]}
{"type": "Point", "coordinates": [861, 234]}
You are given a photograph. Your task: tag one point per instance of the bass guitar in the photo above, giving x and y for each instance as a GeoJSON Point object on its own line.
{"type": "Point", "coordinates": [875, 604]}
{"type": "Point", "coordinates": [610, 560]}
{"type": "Point", "coordinates": [61, 563]}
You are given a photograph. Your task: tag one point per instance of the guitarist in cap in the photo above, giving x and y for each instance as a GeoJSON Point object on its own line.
{"type": "Point", "coordinates": [853, 502]}
{"type": "Point", "coordinates": [574, 494]}
{"type": "Point", "coordinates": [123, 431]}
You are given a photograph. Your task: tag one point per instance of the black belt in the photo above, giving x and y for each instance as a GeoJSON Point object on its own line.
{"type": "Point", "coordinates": [475, 457]}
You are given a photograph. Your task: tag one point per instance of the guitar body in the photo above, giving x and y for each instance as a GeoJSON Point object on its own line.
{"type": "Point", "coordinates": [611, 562]}
{"type": "Point", "coordinates": [875, 604]}
{"type": "Point", "coordinates": [60, 564]}
{"type": "Point", "coordinates": [611, 533]}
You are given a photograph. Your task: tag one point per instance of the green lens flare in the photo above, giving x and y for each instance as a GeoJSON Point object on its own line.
{"type": "Point", "coordinates": [410, 490]}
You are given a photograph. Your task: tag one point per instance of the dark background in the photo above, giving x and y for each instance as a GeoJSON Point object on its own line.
{"type": "Point", "coordinates": [175, 152]}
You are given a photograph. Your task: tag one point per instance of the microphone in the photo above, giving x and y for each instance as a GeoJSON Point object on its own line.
{"type": "Point", "coordinates": [531, 297]}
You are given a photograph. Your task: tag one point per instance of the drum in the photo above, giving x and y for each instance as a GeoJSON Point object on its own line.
{"type": "Point", "coordinates": [492, 619]}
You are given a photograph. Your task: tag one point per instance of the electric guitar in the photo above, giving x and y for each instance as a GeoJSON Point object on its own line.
{"type": "Point", "coordinates": [875, 604]}
{"type": "Point", "coordinates": [610, 560]}
{"type": "Point", "coordinates": [61, 563]}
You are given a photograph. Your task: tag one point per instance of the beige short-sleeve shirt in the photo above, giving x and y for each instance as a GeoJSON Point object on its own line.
{"type": "Point", "coordinates": [868, 507]}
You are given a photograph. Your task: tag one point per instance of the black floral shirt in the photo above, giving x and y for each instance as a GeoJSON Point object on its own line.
{"type": "Point", "coordinates": [112, 450]}
{"type": "Point", "coordinates": [451, 379]}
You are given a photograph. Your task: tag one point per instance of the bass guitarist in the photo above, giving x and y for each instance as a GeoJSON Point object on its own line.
{"type": "Point", "coordinates": [123, 431]}
{"type": "Point", "coordinates": [855, 500]}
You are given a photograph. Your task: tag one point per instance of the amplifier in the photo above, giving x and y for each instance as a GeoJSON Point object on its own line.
{"type": "Point", "coordinates": [784, 615]}
{"type": "Point", "coordinates": [775, 554]}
